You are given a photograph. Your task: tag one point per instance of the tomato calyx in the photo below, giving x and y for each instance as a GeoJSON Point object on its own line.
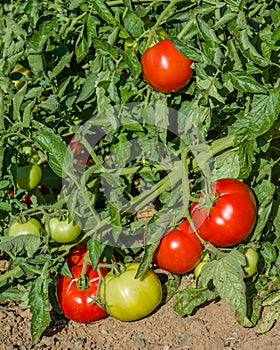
{"type": "Point", "coordinates": [83, 282]}
{"type": "Point", "coordinates": [118, 268]}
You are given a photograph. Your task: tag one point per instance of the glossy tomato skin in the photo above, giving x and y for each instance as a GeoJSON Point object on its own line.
{"type": "Point", "coordinates": [179, 251]}
{"type": "Point", "coordinates": [165, 68]}
{"type": "Point", "coordinates": [32, 227]}
{"type": "Point", "coordinates": [127, 298]}
{"type": "Point", "coordinates": [77, 304]}
{"type": "Point", "coordinates": [63, 231]}
{"type": "Point", "coordinates": [231, 218]}
{"type": "Point", "coordinates": [28, 176]}
{"type": "Point", "coordinates": [77, 255]}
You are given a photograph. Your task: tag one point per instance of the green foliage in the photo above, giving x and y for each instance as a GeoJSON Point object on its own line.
{"type": "Point", "coordinates": [224, 123]}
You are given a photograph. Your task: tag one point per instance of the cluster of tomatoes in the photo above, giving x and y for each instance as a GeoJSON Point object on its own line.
{"type": "Point", "coordinates": [91, 294]}
{"type": "Point", "coordinates": [117, 292]}
{"type": "Point", "coordinates": [224, 217]}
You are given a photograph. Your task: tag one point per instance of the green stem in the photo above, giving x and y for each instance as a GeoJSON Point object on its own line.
{"type": "Point", "coordinates": [10, 274]}
{"type": "Point", "coordinates": [159, 20]}
{"type": "Point", "coordinates": [186, 28]}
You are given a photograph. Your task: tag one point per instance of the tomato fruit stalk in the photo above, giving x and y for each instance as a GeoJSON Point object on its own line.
{"type": "Point", "coordinates": [127, 298]}
{"type": "Point", "coordinates": [232, 216]}
{"type": "Point", "coordinates": [77, 303]}
{"type": "Point", "coordinates": [165, 68]}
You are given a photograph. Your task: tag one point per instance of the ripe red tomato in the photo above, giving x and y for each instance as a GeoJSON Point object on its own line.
{"type": "Point", "coordinates": [80, 153]}
{"type": "Point", "coordinates": [76, 257]}
{"type": "Point", "coordinates": [165, 68]}
{"type": "Point", "coordinates": [78, 304]}
{"type": "Point", "coordinates": [232, 216]}
{"type": "Point", "coordinates": [179, 250]}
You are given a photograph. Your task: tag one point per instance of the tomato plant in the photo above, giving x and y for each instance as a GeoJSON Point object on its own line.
{"type": "Point", "coordinates": [31, 226]}
{"type": "Point", "coordinates": [88, 76]}
{"type": "Point", "coordinates": [62, 230]}
{"type": "Point", "coordinates": [232, 216]}
{"type": "Point", "coordinates": [179, 250]}
{"type": "Point", "coordinates": [127, 298]}
{"type": "Point", "coordinates": [78, 301]}
{"type": "Point", "coordinates": [28, 176]}
{"type": "Point", "coordinates": [165, 68]}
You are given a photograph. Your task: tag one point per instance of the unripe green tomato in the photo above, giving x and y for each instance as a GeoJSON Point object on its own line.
{"type": "Point", "coordinates": [32, 227]}
{"type": "Point", "coordinates": [63, 231]}
{"type": "Point", "coordinates": [127, 298]}
{"type": "Point", "coordinates": [28, 176]}
{"type": "Point", "coordinates": [252, 259]}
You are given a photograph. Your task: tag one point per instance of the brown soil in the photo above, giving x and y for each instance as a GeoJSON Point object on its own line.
{"type": "Point", "coordinates": [212, 327]}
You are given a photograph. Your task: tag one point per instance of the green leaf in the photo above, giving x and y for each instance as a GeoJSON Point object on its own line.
{"type": "Point", "coordinates": [39, 38]}
{"type": "Point", "coordinates": [264, 192]}
{"type": "Point", "coordinates": [245, 82]}
{"type": "Point", "coordinates": [227, 276]}
{"type": "Point", "coordinates": [17, 101]}
{"type": "Point", "coordinates": [95, 249]}
{"type": "Point", "coordinates": [148, 257]}
{"type": "Point", "coordinates": [5, 206]}
{"type": "Point", "coordinates": [133, 24]}
{"type": "Point", "coordinates": [188, 299]}
{"type": "Point", "coordinates": [20, 244]}
{"type": "Point", "coordinates": [88, 88]}
{"type": "Point", "coordinates": [132, 61]}
{"type": "Point", "coordinates": [39, 307]}
{"type": "Point", "coordinates": [53, 144]}
{"type": "Point", "coordinates": [206, 32]}
{"type": "Point", "coordinates": [104, 12]}
{"type": "Point", "coordinates": [271, 316]}
{"type": "Point", "coordinates": [62, 64]}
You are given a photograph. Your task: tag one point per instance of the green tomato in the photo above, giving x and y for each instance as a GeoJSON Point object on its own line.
{"type": "Point", "coordinates": [28, 176]}
{"type": "Point", "coordinates": [127, 298]}
{"type": "Point", "coordinates": [63, 231]}
{"type": "Point", "coordinates": [252, 259]}
{"type": "Point", "coordinates": [30, 227]}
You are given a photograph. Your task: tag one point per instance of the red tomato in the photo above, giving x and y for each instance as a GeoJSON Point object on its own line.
{"type": "Point", "coordinates": [76, 257]}
{"type": "Point", "coordinates": [80, 153]}
{"type": "Point", "coordinates": [165, 68]}
{"type": "Point", "coordinates": [78, 304]}
{"type": "Point", "coordinates": [179, 250]}
{"type": "Point", "coordinates": [232, 216]}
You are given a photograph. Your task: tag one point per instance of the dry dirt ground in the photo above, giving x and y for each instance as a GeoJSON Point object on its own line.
{"type": "Point", "coordinates": [212, 327]}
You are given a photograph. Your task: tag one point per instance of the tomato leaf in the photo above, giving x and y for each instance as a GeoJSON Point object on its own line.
{"type": "Point", "coordinates": [227, 276]}
{"type": "Point", "coordinates": [148, 257]}
{"type": "Point", "coordinates": [188, 299]}
{"type": "Point", "coordinates": [95, 249]}
{"type": "Point", "coordinates": [104, 12]}
{"type": "Point", "coordinates": [28, 244]}
{"type": "Point", "coordinates": [39, 307]}
{"type": "Point", "coordinates": [271, 316]}
{"type": "Point", "coordinates": [53, 145]}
